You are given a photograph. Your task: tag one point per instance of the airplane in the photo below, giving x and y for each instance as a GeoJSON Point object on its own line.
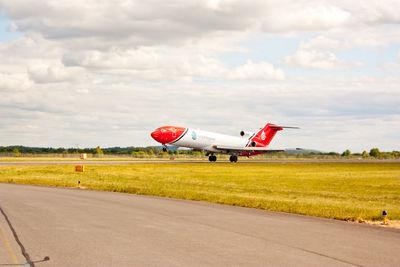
{"type": "Point", "coordinates": [246, 144]}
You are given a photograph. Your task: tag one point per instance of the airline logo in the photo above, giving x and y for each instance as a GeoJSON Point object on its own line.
{"type": "Point", "coordinates": [194, 135]}
{"type": "Point", "coordinates": [263, 136]}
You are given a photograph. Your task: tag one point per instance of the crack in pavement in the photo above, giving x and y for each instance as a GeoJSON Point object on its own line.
{"type": "Point", "coordinates": [23, 250]}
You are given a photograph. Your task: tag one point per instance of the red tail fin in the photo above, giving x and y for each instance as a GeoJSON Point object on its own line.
{"type": "Point", "coordinates": [265, 135]}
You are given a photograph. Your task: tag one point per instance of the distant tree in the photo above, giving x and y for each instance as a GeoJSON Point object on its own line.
{"type": "Point", "coordinates": [162, 154]}
{"type": "Point", "coordinates": [141, 154]}
{"type": "Point", "coordinates": [365, 154]}
{"type": "Point", "coordinates": [16, 152]}
{"type": "Point", "coordinates": [333, 154]}
{"type": "Point", "coordinates": [395, 154]}
{"type": "Point", "coordinates": [151, 153]}
{"type": "Point", "coordinates": [374, 152]}
{"type": "Point", "coordinates": [346, 153]}
{"type": "Point", "coordinates": [98, 151]}
{"type": "Point", "coordinates": [385, 155]}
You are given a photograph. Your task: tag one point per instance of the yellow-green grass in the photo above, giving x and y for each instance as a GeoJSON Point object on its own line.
{"type": "Point", "coordinates": [348, 191]}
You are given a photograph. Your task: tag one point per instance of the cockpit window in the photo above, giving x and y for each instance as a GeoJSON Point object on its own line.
{"type": "Point", "coordinates": [159, 129]}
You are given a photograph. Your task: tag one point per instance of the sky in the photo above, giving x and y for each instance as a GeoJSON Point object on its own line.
{"type": "Point", "coordinates": [107, 73]}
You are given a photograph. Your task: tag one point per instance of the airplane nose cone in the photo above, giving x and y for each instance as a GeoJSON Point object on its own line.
{"type": "Point", "coordinates": [167, 134]}
{"type": "Point", "coordinates": [156, 135]}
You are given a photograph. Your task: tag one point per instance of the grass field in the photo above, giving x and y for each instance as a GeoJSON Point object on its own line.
{"type": "Point", "coordinates": [356, 191]}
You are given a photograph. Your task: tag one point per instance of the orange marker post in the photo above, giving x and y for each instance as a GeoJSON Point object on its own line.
{"type": "Point", "coordinates": [79, 168]}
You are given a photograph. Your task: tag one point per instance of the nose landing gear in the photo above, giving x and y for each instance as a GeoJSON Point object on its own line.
{"type": "Point", "coordinates": [212, 158]}
{"type": "Point", "coordinates": [233, 158]}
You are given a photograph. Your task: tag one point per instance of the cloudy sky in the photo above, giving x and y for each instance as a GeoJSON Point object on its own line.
{"type": "Point", "coordinates": [107, 73]}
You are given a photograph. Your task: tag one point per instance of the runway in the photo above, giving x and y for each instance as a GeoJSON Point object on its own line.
{"type": "Point", "coordinates": [76, 227]}
{"type": "Point", "coordinates": [111, 162]}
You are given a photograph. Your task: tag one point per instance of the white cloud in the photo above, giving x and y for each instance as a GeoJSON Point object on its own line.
{"type": "Point", "coordinates": [14, 82]}
{"type": "Point", "coordinates": [147, 63]}
{"type": "Point", "coordinates": [120, 114]}
{"type": "Point", "coordinates": [325, 43]}
{"type": "Point", "coordinates": [106, 73]}
{"type": "Point", "coordinates": [137, 23]}
{"type": "Point", "coordinates": [375, 37]}
{"type": "Point", "coordinates": [179, 22]}
{"type": "Point", "coordinates": [256, 71]}
{"type": "Point", "coordinates": [375, 11]}
{"type": "Point", "coordinates": [43, 73]}
{"type": "Point", "coordinates": [159, 64]}
{"type": "Point", "coordinates": [318, 60]}
{"type": "Point", "coordinates": [304, 16]}
{"type": "Point", "coordinates": [389, 67]}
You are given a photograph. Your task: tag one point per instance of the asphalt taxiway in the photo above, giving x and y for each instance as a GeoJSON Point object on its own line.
{"type": "Point", "coordinates": [76, 227]}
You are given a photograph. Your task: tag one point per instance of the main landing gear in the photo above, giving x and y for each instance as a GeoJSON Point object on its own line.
{"type": "Point", "coordinates": [165, 148]}
{"type": "Point", "coordinates": [212, 158]}
{"type": "Point", "coordinates": [233, 158]}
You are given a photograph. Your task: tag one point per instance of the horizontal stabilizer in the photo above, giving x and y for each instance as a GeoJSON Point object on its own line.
{"type": "Point", "coordinates": [276, 126]}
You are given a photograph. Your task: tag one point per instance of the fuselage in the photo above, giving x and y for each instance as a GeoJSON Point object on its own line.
{"type": "Point", "coordinates": [245, 144]}
{"type": "Point", "coordinates": [204, 140]}
{"type": "Point", "coordinates": [198, 139]}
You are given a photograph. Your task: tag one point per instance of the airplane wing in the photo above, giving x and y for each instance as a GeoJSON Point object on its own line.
{"type": "Point", "coordinates": [251, 149]}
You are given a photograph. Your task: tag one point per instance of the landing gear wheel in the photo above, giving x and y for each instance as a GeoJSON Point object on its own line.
{"type": "Point", "coordinates": [233, 158]}
{"type": "Point", "coordinates": [212, 158]}
{"type": "Point", "coordinates": [165, 148]}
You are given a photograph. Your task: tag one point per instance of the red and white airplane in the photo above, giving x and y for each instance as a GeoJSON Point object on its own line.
{"type": "Point", "coordinates": [247, 144]}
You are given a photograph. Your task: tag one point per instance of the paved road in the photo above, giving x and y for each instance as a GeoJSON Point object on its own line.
{"type": "Point", "coordinates": [189, 161]}
{"type": "Point", "coordinates": [90, 228]}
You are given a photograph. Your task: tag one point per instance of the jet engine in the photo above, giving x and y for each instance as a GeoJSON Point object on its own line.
{"type": "Point", "coordinates": [245, 134]}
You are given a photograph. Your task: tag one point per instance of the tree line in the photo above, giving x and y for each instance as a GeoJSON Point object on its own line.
{"type": "Point", "coordinates": [155, 151]}
{"type": "Point", "coordinates": [374, 152]}
{"type": "Point", "coordinates": [61, 150]}
{"type": "Point", "coordinates": [123, 151]}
